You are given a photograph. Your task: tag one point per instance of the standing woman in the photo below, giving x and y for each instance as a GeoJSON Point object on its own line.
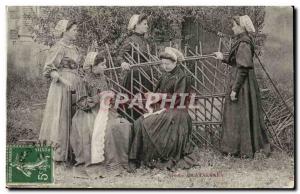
{"type": "Point", "coordinates": [137, 28]}
{"type": "Point", "coordinates": [244, 131]}
{"type": "Point", "coordinates": [61, 67]}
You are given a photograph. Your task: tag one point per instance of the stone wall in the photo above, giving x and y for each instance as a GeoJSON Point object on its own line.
{"type": "Point", "coordinates": [24, 55]}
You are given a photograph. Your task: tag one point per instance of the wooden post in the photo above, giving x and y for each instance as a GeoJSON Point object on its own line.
{"type": "Point", "coordinates": [200, 48]}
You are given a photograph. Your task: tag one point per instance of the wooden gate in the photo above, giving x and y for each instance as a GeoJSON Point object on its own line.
{"type": "Point", "coordinates": [209, 77]}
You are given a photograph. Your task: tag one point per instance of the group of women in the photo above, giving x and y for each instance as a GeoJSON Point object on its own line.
{"type": "Point", "coordinates": [100, 136]}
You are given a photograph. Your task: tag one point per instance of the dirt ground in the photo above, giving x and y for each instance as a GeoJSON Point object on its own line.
{"type": "Point", "coordinates": [214, 171]}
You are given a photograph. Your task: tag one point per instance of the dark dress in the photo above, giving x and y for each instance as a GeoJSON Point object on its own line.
{"type": "Point", "coordinates": [244, 131]}
{"type": "Point", "coordinates": [163, 140]}
{"type": "Point", "coordinates": [124, 52]}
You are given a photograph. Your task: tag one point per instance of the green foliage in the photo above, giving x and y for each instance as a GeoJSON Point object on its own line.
{"type": "Point", "coordinates": [108, 24]}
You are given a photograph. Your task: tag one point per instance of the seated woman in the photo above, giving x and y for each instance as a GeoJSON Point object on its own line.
{"type": "Point", "coordinates": [99, 135]}
{"type": "Point", "coordinates": [162, 138]}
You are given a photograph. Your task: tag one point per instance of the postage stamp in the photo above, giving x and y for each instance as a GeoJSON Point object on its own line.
{"type": "Point", "coordinates": [29, 164]}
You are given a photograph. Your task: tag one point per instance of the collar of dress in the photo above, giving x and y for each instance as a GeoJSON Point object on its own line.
{"type": "Point", "coordinates": [138, 34]}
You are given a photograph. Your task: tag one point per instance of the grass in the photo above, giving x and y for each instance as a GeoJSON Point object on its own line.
{"type": "Point", "coordinates": [25, 103]}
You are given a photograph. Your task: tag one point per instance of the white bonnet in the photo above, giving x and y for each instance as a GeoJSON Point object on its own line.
{"type": "Point", "coordinates": [246, 22]}
{"type": "Point", "coordinates": [133, 21]}
{"type": "Point", "coordinates": [89, 60]}
{"type": "Point", "coordinates": [172, 53]}
{"type": "Point", "coordinates": [61, 26]}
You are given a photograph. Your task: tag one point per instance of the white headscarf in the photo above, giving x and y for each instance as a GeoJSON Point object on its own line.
{"type": "Point", "coordinates": [246, 22]}
{"type": "Point", "coordinates": [61, 26]}
{"type": "Point", "coordinates": [89, 60]}
{"type": "Point", "coordinates": [133, 21]}
{"type": "Point", "coordinates": [176, 54]}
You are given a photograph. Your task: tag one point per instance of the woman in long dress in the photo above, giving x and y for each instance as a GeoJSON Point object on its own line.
{"type": "Point", "coordinates": [162, 139]}
{"type": "Point", "coordinates": [61, 67]}
{"type": "Point", "coordinates": [244, 131]}
{"type": "Point", "coordinates": [99, 134]}
{"type": "Point", "coordinates": [137, 28]}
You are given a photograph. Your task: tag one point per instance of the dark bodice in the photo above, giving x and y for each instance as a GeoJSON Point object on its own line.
{"type": "Point", "coordinates": [175, 81]}
{"type": "Point", "coordinates": [241, 60]}
{"type": "Point", "coordinates": [140, 42]}
{"type": "Point", "coordinates": [94, 85]}
{"type": "Point", "coordinates": [240, 42]}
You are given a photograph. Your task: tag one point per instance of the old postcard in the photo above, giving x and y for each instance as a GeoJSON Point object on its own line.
{"type": "Point", "coordinates": [150, 97]}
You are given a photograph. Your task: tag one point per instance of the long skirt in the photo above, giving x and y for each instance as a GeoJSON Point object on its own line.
{"type": "Point", "coordinates": [116, 139]}
{"type": "Point", "coordinates": [163, 140]}
{"type": "Point", "coordinates": [131, 82]}
{"type": "Point", "coordinates": [244, 130]}
{"type": "Point", "coordinates": [55, 128]}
